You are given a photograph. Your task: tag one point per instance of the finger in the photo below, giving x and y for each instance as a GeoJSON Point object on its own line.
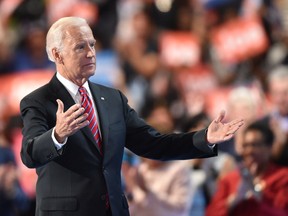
{"type": "Point", "coordinates": [236, 122]}
{"type": "Point", "coordinates": [78, 113]}
{"type": "Point", "coordinates": [81, 118]}
{"type": "Point", "coordinates": [233, 129]}
{"type": "Point", "coordinates": [73, 109]}
{"type": "Point", "coordinates": [228, 136]}
{"type": "Point", "coordinates": [60, 108]}
{"type": "Point", "coordinates": [220, 117]}
{"type": "Point", "coordinates": [82, 124]}
{"type": "Point", "coordinates": [73, 128]}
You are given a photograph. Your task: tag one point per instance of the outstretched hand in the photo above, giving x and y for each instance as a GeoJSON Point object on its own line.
{"type": "Point", "coordinates": [220, 132]}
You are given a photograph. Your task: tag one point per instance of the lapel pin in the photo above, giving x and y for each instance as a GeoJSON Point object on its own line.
{"type": "Point", "coordinates": [102, 98]}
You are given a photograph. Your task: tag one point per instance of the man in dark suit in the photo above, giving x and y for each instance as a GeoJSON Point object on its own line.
{"type": "Point", "coordinates": [76, 176]}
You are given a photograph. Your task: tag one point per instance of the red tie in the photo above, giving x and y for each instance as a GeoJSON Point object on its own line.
{"type": "Point", "coordinates": [87, 105]}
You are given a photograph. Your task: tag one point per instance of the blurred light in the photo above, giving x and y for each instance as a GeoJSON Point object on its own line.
{"type": "Point", "coordinates": [164, 5]}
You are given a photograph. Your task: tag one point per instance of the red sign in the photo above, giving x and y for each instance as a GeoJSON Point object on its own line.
{"type": "Point", "coordinates": [200, 78]}
{"type": "Point", "coordinates": [57, 9]}
{"type": "Point", "coordinates": [15, 86]}
{"type": "Point", "coordinates": [179, 49]}
{"type": "Point", "coordinates": [239, 39]}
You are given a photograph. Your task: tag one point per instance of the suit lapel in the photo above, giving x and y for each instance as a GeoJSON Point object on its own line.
{"type": "Point", "coordinates": [61, 93]}
{"type": "Point", "coordinates": [68, 101]}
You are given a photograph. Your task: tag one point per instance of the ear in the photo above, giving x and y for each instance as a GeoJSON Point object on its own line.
{"type": "Point", "coordinates": [57, 56]}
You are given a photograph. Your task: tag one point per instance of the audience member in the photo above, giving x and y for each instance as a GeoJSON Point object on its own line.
{"type": "Point", "coordinates": [147, 83]}
{"type": "Point", "coordinates": [205, 172]}
{"type": "Point", "coordinates": [277, 118]}
{"type": "Point", "coordinates": [257, 186]}
{"type": "Point", "coordinates": [139, 55]}
{"type": "Point", "coordinates": [13, 200]}
{"type": "Point", "coordinates": [6, 41]}
{"type": "Point", "coordinates": [31, 53]}
{"type": "Point", "coordinates": [244, 102]}
{"type": "Point", "coordinates": [158, 188]}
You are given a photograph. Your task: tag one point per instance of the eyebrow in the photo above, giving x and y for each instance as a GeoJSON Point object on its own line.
{"type": "Point", "coordinates": [84, 42]}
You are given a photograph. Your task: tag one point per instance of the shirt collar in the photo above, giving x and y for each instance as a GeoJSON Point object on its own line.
{"type": "Point", "coordinates": [71, 87]}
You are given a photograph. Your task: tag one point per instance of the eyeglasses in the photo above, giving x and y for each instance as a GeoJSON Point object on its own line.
{"type": "Point", "coordinates": [254, 145]}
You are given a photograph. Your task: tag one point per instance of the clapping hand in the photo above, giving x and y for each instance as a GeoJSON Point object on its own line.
{"type": "Point", "coordinates": [247, 187]}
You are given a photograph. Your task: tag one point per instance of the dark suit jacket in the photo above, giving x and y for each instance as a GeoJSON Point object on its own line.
{"type": "Point", "coordinates": [74, 181]}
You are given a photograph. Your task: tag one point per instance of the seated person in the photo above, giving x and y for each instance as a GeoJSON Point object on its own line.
{"type": "Point", "coordinates": [257, 186]}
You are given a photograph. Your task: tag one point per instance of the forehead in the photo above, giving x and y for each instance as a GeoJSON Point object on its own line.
{"type": "Point", "coordinates": [75, 34]}
{"type": "Point", "coordinates": [253, 135]}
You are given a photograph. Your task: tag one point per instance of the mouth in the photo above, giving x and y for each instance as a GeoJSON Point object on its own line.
{"type": "Point", "coordinates": [90, 65]}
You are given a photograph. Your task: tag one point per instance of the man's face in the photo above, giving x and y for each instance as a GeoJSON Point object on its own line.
{"type": "Point", "coordinates": [279, 95]}
{"type": "Point", "coordinates": [78, 54]}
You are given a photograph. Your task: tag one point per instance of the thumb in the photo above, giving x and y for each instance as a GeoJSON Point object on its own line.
{"type": "Point", "coordinates": [60, 106]}
{"type": "Point", "coordinates": [220, 117]}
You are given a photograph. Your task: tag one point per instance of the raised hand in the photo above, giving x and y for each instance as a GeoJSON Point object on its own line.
{"type": "Point", "coordinates": [220, 132]}
{"type": "Point", "coordinates": [69, 122]}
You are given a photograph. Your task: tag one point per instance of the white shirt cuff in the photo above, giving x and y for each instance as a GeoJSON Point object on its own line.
{"type": "Point", "coordinates": [211, 145]}
{"type": "Point", "coordinates": [56, 143]}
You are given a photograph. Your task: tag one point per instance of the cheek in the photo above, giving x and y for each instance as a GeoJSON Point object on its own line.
{"type": "Point", "coordinates": [261, 156]}
{"type": "Point", "coordinates": [75, 64]}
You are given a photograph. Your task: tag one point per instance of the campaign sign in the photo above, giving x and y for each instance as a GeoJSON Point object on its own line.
{"type": "Point", "coordinates": [179, 49]}
{"type": "Point", "coordinates": [239, 39]}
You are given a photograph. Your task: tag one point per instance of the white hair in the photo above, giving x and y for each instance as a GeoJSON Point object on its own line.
{"type": "Point", "coordinates": [242, 95]}
{"type": "Point", "coordinates": [278, 73]}
{"type": "Point", "coordinates": [56, 33]}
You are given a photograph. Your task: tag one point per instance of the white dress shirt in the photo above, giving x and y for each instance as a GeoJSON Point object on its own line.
{"type": "Point", "coordinates": [73, 91]}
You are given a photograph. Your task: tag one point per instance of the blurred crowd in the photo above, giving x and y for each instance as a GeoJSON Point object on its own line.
{"type": "Point", "coordinates": [179, 62]}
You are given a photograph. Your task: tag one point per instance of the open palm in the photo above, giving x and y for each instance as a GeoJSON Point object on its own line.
{"type": "Point", "coordinates": [220, 132]}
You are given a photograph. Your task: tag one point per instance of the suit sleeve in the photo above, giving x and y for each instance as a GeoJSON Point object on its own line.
{"type": "Point", "coordinates": [145, 141]}
{"type": "Point", "coordinates": [37, 145]}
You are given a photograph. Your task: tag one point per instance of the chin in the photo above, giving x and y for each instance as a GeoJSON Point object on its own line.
{"type": "Point", "coordinates": [90, 71]}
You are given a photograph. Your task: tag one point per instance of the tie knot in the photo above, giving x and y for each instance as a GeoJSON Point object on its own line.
{"type": "Point", "coordinates": [83, 90]}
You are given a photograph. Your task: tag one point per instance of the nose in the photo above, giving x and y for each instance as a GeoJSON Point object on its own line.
{"type": "Point", "coordinates": [249, 151]}
{"type": "Point", "coordinates": [91, 52]}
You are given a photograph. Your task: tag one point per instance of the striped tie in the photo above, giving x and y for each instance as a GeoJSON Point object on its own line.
{"type": "Point", "coordinates": [87, 105]}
